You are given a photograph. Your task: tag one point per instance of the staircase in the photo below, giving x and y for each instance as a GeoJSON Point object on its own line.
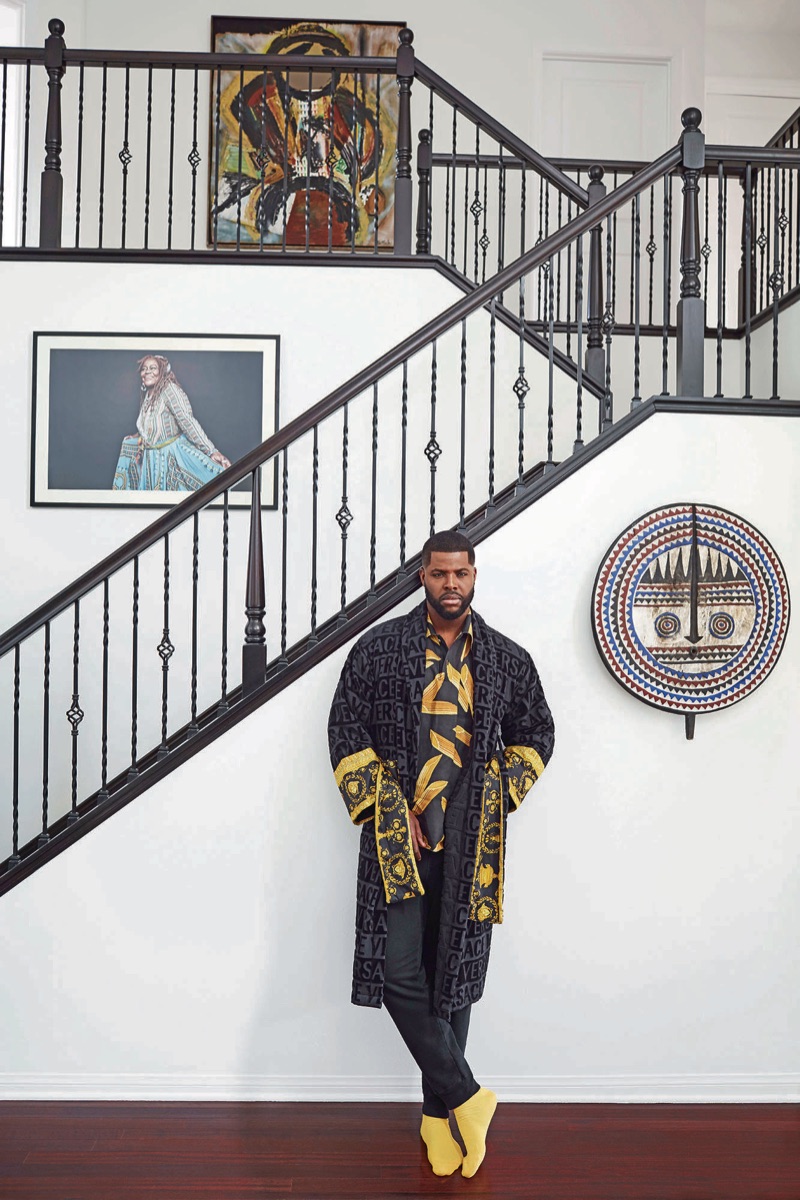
{"type": "Point", "coordinates": [579, 302]}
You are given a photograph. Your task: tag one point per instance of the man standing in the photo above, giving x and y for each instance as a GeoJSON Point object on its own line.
{"type": "Point", "coordinates": [438, 728]}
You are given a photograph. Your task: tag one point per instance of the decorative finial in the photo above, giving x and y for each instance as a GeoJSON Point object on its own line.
{"type": "Point", "coordinates": [690, 119]}
{"type": "Point", "coordinates": [56, 27]}
{"type": "Point", "coordinates": [425, 136]}
{"type": "Point", "coordinates": [406, 36]}
{"type": "Point", "coordinates": [596, 172]}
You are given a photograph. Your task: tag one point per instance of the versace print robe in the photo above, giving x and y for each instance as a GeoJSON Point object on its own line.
{"type": "Point", "coordinates": [373, 735]}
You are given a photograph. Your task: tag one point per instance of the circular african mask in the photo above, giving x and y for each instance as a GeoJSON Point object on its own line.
{"type": "Point", "coordinates": [690, 608]}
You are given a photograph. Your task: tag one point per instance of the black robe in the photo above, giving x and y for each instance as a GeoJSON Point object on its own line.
{"type": "Point", "coordinates": [373, 734]}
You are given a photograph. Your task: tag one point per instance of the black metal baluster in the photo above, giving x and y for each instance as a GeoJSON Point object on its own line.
{"type": "Point", "coordinates": [241, 171]}
{"type": "Point", "coordinates": [462, 472]}
{"type": "Point", "coordinates": [44, 836]}
{"type": "Point", "coordinates": [403, 465]}
{"type": "Point", "coordinates": [103, 793]}
{"type": "Point", "coordinates": [725, 242]}
{"type": "Point", "coordinates": [636, 400]}
{"type": "Point", "coordinates": [79, 158]}
{"type": "Point", "coordinates": [26, 150]}
{"type": "Point", "coordinates": [254, 650]}
{"type": "Point", "coordinates": [3, 114]}
{"type": "Point", "coordinates": [539, 238]}
{"type": "Point", "coordinates": [103, 115]}
{"type": "Point", "coordinates": [223, 701]}
{"type": "Point", "coordinates": [748, 266]}
{"type": "Point", "coordinates": [608, 324]}
{"type": "Point", "coordinates": [374, 509]}
{"type": "Point", "coordinates": [133, 770]}
{"type": "Point", "coordinates": [476, 208]}
{"type": "Point", "coordinates": [263, 155]}
{"type": "Point", "coordinates": [166, 650]}
{"type": "Point", "coordinates": [148, 160]}
{"type": "Point", "coordinates": [125, 155]}
{"type": "Point", "coordinates": [430, 179]}
{"type": "Point", "coordinates": [309, 135]}
{"type": "Point", "coordinates": [466, 220]}
{"type": "Point", "coordinates": [433, 450]}
{"type": "Point", "coordinates": [344, 516]}
{"type": "Point", "coordinates": [490, 504]}
{"type": "Point", "coordinates": [171, 186]}
{"type": "Point", "coordinates": [287, 108]}
{"type": "Point", "coordinates": [789, 281]}
{"type": "Point", "coordinates": [549, 464]}
{"type": "Point", "coordinates": [75, 713]}
{"type": "Point", "coordinates": [569, 285]}
{"type": "Point", "coordinates": [720, 277]}
{"type": "Point", "coordinates": [453, 223]}
{"type": "Point", "coordinates": [776, 282]}
{"type": "Point", "coordinates": [558, 277]}
{"type": "Point", "coordinates": [284, 554]}
{"type": "Point", "coordinates": [217, 136]}
{"type": "Point", "coordinates": [312, 641]}
{"type": "Point", "coordinates": [705, 249]}
{"type": "Point", "coordinates": [667, 272]}
{"type": "Point", "coordinates": [193, 158]}
{"type": "Point", "coordinates": [331, 160]}
{"type": "Point", "coordinates": [761, 242]}
{"type": "Point", "coordinates": [501, 236]}
{"type": "Point", "coordinates": [521, 387]}
{"type": "Point", "coordinates": [650, 250]}
{"type": "Point", "coordinates": [15, 859]}
{"type": "Point", "coordinates": [193, 726]}
{"type": "Point", "coordinates": [378, 148]}
{"type": "Point", "coordinates": [484, 243]}
{"type": "Point", "coordinates": [612, 294]}
{"type": "Point", "coordinates": [578, 443]}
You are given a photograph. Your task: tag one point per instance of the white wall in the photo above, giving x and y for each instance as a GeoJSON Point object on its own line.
{"type": "Point", "coordinates": [199, 943]}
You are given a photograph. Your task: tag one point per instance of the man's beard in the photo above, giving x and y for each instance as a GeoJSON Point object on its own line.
{"type": "Point", "coordinates": [449, 614]}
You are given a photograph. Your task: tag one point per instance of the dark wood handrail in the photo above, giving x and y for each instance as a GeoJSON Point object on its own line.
{"type": "Point", "coordinates": [250, 62]}
{"type": "Point", "coordinates": [499, 131]}
{"type": "Point", "coordinates": [336, 399]}
{"type": "Point", "coordinates": [794, 119]}
{"type": "Point", "coordinates": [740, 156]}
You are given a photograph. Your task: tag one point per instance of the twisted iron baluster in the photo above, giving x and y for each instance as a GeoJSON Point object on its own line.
{"type": "Point", "coordinates": [79, 156]}
{"type": "Point", "coordinates": [312, 641]}
{"type": "Point", "coordinates": [378, 147]}
{"type": "Point", "coordinates": [550, 465]}
{"type": "Point", "coordinates": [748, 260]}
{"type": "Point", "coordinates": [217, 136]}
{"type": "Point", "coordinates": [241, 171]}
{"type": "Point", "coordinates": [636, 399]}
{"type": "Point", "coordinates": [125, 156]}
{"type": "Point", "coordinates": [165, 650]}
{"type": "Point", "coordinates": [44, 836]}
{"type": "Point", "coordinates": [666, 286]}
{"type": "Point", "coordinates": [608, 320]}
{"type": "Point", "coordinates": [650, 250]}
{"type": "Point", "coordinates": [705, 249]}
{"type": "Point", "coordinates": [148, 159]}
{"type": "Point", "coordinates": [403, 464]}
{"type": "Point", "coordinates": [133, 770]}
{"type": "Point", "coordinates": [14, 859]}
{"type": "Point", "coordinates": [103, 793]}
{"type": "Point", "coordinates": [103, 113]}
{"type": "Point", "coordinates": [492, 362]}
{"type": "Point", "coordinates": [193, 726]}
{"type": "Point", "coordinates": [521, 385]}
{"type": "Point", "coordinates": [578, 443]}
{"type": "Point", "coordinates": [720, 277]}
{"type": "Point", "coordinates": [171, 189]}
{"type": "Point", "coordinates": [462, 473]}
{"type": "Point", "coordinates": [433, 450]}
{"type": "Point", "coordinates": [453, 224]}
{"type": "Point", "coordinates": [776, 283]}
{"type": "Point", "coordinates": [75, 713]}
{"type": "Point", "coordinates": [26, 149]}
{"type": "Point", "coordinates": [484, 243]}
{"type": "Point", "coordinates": [193, 158]}
{"type": "Point", "coordinates": [284, 551]}
{"type": "Point", "coordinates": [344, 516]}
{"type": "Point", "coordinates": [476, 208]}
{"type": "Point", "coordinates": [374, 513]}
{"type": "Point", "coordinates": [223, 702]}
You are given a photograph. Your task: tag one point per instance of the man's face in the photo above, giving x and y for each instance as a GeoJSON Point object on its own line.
{"type": "Point", "coordinates": [449, 583]}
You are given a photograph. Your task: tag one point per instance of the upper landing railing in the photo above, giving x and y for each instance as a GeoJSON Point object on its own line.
{"type": "Point", "coordinates": [154, 152]}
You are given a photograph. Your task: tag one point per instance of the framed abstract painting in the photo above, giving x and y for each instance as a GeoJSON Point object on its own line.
{"type": "Point", "coordinates": [301, 159]}
{"type": "Point", "coordinates": [140, 420]}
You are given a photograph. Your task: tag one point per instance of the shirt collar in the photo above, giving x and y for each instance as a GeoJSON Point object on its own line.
{"type": "Point", "coordinates": [466, 633]}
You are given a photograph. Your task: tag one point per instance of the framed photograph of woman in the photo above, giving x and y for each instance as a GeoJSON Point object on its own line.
{"type": "Point", "coordinates": [140, 420]}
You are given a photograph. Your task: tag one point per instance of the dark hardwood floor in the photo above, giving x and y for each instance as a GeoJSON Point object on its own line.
{"type": "Point", "coordinates": [148, 1151]}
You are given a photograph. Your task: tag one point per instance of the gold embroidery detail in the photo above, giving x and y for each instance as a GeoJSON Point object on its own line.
{"type": "Point", "coordinates": [425, 790]}
{"type": "Point", "coordinates": [395, 850]}
{"type": "Point", "coordinates": [430, 704]}
{"type": "Point", "coordinates": [486, 899]}
{"type": "Point", "coordinates": [524, 768]}
{"type": "Point", "coordinates": [354, 762]}
{"type": "Point", "coordinates": [356, 778]}
{"type": "Point", "coordinates": [439, 742]}
{"type": "Point", "coordinates": [463, 735]}
{"type": "Point", "coordinates": [431, 657]}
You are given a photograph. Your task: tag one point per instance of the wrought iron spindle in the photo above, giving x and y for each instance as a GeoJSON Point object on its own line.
{"type": "Point", "coordinates": [44, 836]}
{"type": "Point", "coordinates": [429, 215]}
{"type": "Point", "coordinates": [193, 159]}
{"type": "Point", "coordinates": [378, 147]}
{"type": "Point", "coordinates": [667, 273]}
{"type": "Point", "coordinates": [286, 110]}
{"type": "Point", "coordinates": [490, 504]}
{"type": "Point", "coordinates": [748, 267]}
{"type": "Point", "coordinates": [262, 163]}
{"type": "Point", "coordinates": [791, 233]}
{"type": "Point", "coordinates": [103, 123]}
{"type": "Point", "coordinates": [193, 726]}
{"type": "Point", "coordinates": [309, 137]}
{"type": "Point", "coordinates": [165, 650]}
{"type": "Point", "coordinates": [608, 327]}
{"type": "Point", "coordinates": [125, 155]}
{"type": "Point", "coordinates": [312, 641]}
{"type": "Point", "coordinates": [761, 242]}
{"type": "Point", "coordinates": [433, 450]}
{"type": "Point", "coordinates": [705, 249]}
{"type": "Point", "coordinates": [254, 649]}
{"type": "Point", "coordinates": [462, 469]}
{"type": "Point", "coordinates": [374, 507]}
{"type": "Point", "coordinates": [636, 399]}
{"type": "Point", "coordinates": [465, 219]}
{"type": "Point", "coordinates": [453, 168]}
{"type": "Point", "coordinates": [650, 250]}
{"type": "Point", "coordinates": [148, 159]}
{"type": "Point", "coordinates": [223, 700]}
{"type": "Point", "coordinates": [217, 137]}
{"type": "Point", "coordinates": [578, 443]}
{"type": "Point", "coordinates": [720, 277]}
{"type": "Point", "coordinates": [569, 284]}
{"type": "Point", "coordinates": [484, 242]}
{"type": "Point", "coordinates": [725, 242]}
{"type": "Point", "coordinates": [75, 713]}
{"type": "Point", "coordinates": [171, 177]}
{"type": "Point", "coordinates": [103, 793]}
{"type": "Point", "coordinates": [133, 769]}
{"type": "Point", "coordinates": [776, 281]}
{"type": "Point", "coordinates": [240, 162]}
{"type": "Point", "coordinates": [344, 517]}
{"type": "Point", "coordinates": [78, 162]}
{"type": "Point", "coordinates": [476, 208]}
{"type": "Point", "coordinates": [14, 859]}
{"type": "Point", "coordinates": [331, 160]}
{"type": "Point", "coordinates": [26, 150]}
{"type": "Point", "coordinates": [3, 114]}
{"type": "Point", "coordinates": [539, 238]}
{"type": "Point", "coordinates": [521, 386]}
{"type": "Point", "coordinates": [284, 553]}
{"type": "Point", "coordinates": [501, 234]}
{"type": "Point", "coordinates": [549, 464]}
{"type": "Point", "coordinates": [403, 467]}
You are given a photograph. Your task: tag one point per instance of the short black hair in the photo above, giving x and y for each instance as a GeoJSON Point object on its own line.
{"type": "Point", "coordinates": [448, 541]}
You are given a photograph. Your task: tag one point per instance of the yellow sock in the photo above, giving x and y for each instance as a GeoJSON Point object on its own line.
{"type": "Point", "coordinates": [473, 1118]}
{"type": "Point", "coordinates": [444, 1154]}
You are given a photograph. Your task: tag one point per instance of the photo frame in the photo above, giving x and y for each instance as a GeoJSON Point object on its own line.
{"type": "Point", "coordinates": [300, 162]}
{"type": "Point", "coordinates": [95, 393]}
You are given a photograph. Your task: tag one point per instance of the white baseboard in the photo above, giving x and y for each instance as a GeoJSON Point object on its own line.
{"type": "Point", "coordinates": [533, 1089]}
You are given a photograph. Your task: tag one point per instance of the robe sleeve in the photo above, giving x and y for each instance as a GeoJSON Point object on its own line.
{"type": "Point", "coordinates": [181, 409]}
{"type": "Point", "coordinates": [354, 759]}
{"type": "Point", "coordinates": [528, 735]}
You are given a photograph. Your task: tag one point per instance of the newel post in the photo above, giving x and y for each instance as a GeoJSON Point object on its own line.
{"type": "Point", "coordinates": [403, 180]}
{"type": "Point", "coordinates": [254, 650]}
{"type": "Point", "coordinates": [424, 163]}
{"type": "Point", "coordinates": [691, 308]}
{"type": "Point", "coordinates": [595, 362]}
{"type": "Point", "coordinates": [50, 201]}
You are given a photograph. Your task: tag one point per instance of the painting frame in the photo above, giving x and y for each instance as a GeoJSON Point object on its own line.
{"type": "Point", "coordinates": [292, 173]}
{"type": "Point", "coordinates": [87, 398]}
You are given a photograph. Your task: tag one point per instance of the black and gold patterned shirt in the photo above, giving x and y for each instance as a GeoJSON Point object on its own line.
{"type": "Point", "coordinates": [445, 731]}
